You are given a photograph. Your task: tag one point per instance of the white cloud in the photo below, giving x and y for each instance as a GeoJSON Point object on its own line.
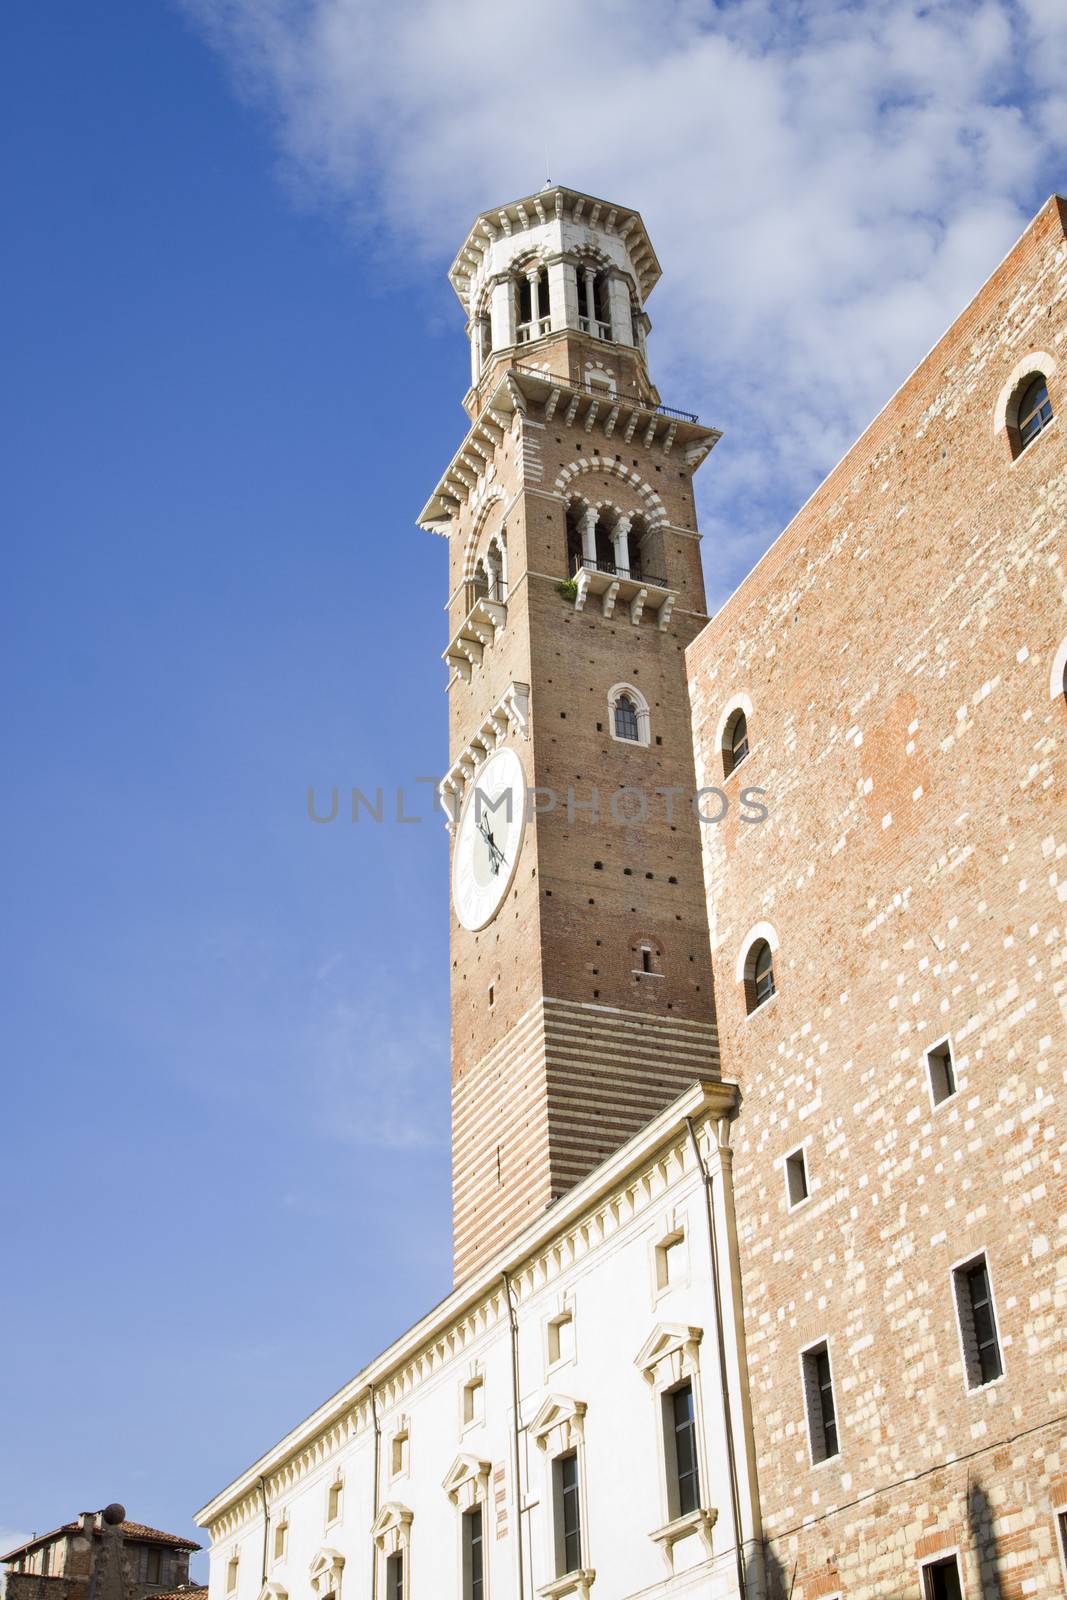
{"type": "Point", "coordinates": [826, 183]}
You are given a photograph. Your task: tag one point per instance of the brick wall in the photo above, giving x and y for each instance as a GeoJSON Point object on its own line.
{"type": "Point", "coordinates": [896, 644]}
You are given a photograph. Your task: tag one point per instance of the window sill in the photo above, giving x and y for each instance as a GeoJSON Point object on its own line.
{"type": "Point", "coordinates": [572, 1583]}
{"type": "Point", "coordinates": [1034, 442]}
{"type": "Point", "coordinates": [983, 1388]}
{"type": "Point", "coordinates": [762, 1009]}
{"type": "Point", "coordinates": [694, 1525]}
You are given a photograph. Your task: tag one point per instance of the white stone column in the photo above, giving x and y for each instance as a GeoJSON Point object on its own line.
{"type": "Point", "coordinates": [562, 294]}
{"type": "Point", "coordinates": [590, 297]}
{"type": "Point", "coordinates": [622, 553]}
{"type": "Point", "coordinates": [503, 313]}
{"type": "Point", "coordinates": [474, 331]}
{"type": "Point", "coordinates": [531, 278]}
{"type": "Point", "coordinates": [619, 308]}
{"type": "Point", "coordinates": [588, 527]}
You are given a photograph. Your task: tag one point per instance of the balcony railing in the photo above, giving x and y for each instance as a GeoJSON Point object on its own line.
{"type": "Point", "coordinates": [600, 393]}
{"type": "Point", "coordinates": [537, 329]}
{"type": "Point", "coordinates": [636, 573]}
{"type": "Point", "coordinates": [593, 325]}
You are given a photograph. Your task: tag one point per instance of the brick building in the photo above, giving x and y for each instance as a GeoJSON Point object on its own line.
{"type": "Point", "coordinates": [898, 659]}
{"type": "Point", "coordinates": [100, 1556]}
{"type": "Point", "coordinates": [759, 1180]}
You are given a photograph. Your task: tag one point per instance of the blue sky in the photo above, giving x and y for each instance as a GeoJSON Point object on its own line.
{"type": "Point", "coordinates": [233, 369]}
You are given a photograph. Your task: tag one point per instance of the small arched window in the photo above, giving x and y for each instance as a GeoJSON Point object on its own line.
{"type": "Point", "coordinates": [628, 711]}
{"type": "Point", "coordinates": [759, 975]}
{"type": "Point", "coordinates": [734, 742]}
{"type": "Point", "coordinates": [626, 719]}
{"type": "Point", "coordinates": [1035, 410]}
{"type": "Point", "coordinates": [533, 305]}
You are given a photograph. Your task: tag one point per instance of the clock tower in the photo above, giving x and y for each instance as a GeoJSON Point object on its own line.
{"type": "Point", "coordinates": [581, 976]}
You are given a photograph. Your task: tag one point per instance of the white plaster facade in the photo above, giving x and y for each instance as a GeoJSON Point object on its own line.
{"type": "Point", "coordinates": [617, 1295]}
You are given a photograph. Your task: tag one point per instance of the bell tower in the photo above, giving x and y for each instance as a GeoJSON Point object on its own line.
{"type": "Point", "coordinates": [581, 975]}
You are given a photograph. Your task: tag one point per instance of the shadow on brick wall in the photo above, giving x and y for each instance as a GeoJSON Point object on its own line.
{"type": "Point", "coordinates": [980, 1517]}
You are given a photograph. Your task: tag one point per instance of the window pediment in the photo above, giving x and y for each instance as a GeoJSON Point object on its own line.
{"type": "Point", "coordinates": [275, 1591]}
{"type": "Point", "coordinates": [670, 1353]}
{"type": "Point", "coordinates": [467, 1481]}
{"type": "Point", "coordinates": [324, 1572]}
{"type": "Point", "coordinates": [559, 1424]}
{"type": "Point", "coordinates": [392, 1528]}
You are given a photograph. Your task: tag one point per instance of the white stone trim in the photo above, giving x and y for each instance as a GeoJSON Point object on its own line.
{"type": "Point", "coordinates": [391, 1530]}
{"type": "Point", "coordinates": [1037, 361]}
{"type": "Point", "coordinates": [670, 1354]}
{"type": "Point", "coordinates": [466, 1482]}
{"type": "Point", "coordinates": [653, 507]}
{"type": "Point", "coordinates": [761, 930]}
{"type": "Point", "coordinates": [739, 702]}
{"type": "Point", "coordinates": [559, 1425]}
{"type": "Point", "coordinates": [510, 715]}
{"type": "Point", "coordinates": [324, 1573]}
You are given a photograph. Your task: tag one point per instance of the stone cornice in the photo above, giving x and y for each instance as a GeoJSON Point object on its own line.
{"type": "Point", "coordinates": [621, 1188]}
{"type": "Point", "coordinates": [550, 203]}
{"type": "Point", "coordinates": [469, 474]}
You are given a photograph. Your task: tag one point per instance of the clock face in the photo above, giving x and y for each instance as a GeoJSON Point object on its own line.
{"type": "Point", "coordinates": [488, 839]}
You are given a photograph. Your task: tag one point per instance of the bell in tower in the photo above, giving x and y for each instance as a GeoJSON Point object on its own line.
{"type": "Point", "coordinates": [581, 985]}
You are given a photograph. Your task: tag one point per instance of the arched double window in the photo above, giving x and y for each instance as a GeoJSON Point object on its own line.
{"type": "Point", "coordinates": [628, 710]}
{"type": "Point", "coordinates": [1024, 405]}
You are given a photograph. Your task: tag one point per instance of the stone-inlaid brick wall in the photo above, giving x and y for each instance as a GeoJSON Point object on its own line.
{"type": "Point", "coordinates": [898, 645]}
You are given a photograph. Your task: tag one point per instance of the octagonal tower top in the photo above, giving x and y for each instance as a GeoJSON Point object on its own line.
{"type": "Point", "coordinates": [558, 263]}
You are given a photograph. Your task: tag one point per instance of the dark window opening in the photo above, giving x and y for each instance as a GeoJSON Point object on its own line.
{"type": "Point", "coordinates": [735, 742]}
{"type": "Point", "coordinates": [394, 1577]}
{"type": "Point", "coordinates": [626, 718]}
{"type": "Point", "coordinates": [978, 1324]}
{"type": "Point", "coordinates": [1035, 411]}
{"type": "Point", "coordinates": [759, 976]}
{"type": "Point", "coordinates": [569, 1514]}
{"type": "Point", "coordinates": [942, 1073]}
{"type": "Point", "coordinates": [819, 1395]}
{"type": "Point", "coordinates": [796, 1177]}
{"type": "Point", "coordinates": [473, 1569]}
{"type": "Point", "coordinates": [941, 1580]}
{"type": "Point", "coordinates": [684, 1487]}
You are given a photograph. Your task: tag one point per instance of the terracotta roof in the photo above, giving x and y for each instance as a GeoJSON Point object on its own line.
{"type": "Point", "coordinates": [190, 1591]}
{"type": "Point", "coordinates": [131, 1530]}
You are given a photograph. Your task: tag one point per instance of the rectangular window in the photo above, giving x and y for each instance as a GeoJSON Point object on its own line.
{"type": "Point", "coordinates": [1061, 1529]}
{"type": "Point", "coordinates": [796, 1178]}
{"type": "Point", "coordinates": [941, 1580]}
{"type": "Point", "coordinates": [473, 1402]}
{"type": "Point", "coordinates": [672, 1261]}
{"type": "Point", "coordinates": [978, 1324]}
{"type": "Point", "coordinates": [46, 1560]}
{"type": "Point", "coordinates": [281, 1530]}
{"type": "Point", "coordinates": [335, 1501]}
{"type": "Point", "coordinates": [941, 1071]}
{"type": "Point", "coordinates": [394, 1577]}
{"type": "Point", "coordinates": [473, 1572]}
{"type": "Point", "coordinates": [568, 1515]}
{"type": "Point", "coordinates": [683, 1471]}
{"type": "Point", "coordinates": [819, 1398]}
{"type": "Point", "coordinates": [561, 1339]}
{"type": "Point", "coordinates": [231, 1576]}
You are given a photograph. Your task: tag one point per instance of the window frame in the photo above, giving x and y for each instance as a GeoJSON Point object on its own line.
{"type": "Point", "coordinates": [669, 1431]}
{"type": "Point", "coordinates": [563, 1569]}
{"type": "Point", "coordinates": [1059, 1529]}
{"type": "Point", "coordinates": [641, 710]}
{"type": "Point", "coordinates": [929, 1054]}
{"type": "Point", "coordinates": [789, 1158]}
{"type": "Point", "coordinates": [731, 761]}
{"type": "Point", "coordinates": [941, 1558]}
{"type": "Point", "coordinates": [396, 1564]}
{"type": "Point", "coordinates": [335, 1501]}
{"type": "Point", "coordinates": [811, 1352]}
{"type": "Point", "coordinates": [467, 1581]}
